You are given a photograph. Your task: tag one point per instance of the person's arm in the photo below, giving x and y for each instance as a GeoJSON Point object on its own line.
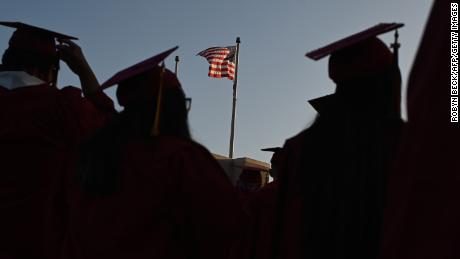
{"type": "Point", "coordinates": [82, 115]}
{"type": "Point", "coordinates": [73, 56]}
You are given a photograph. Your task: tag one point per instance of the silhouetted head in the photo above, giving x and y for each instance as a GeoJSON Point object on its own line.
{"type": "Point", "coordinates": [363, 59]}
{"type": "Point", "coordinates": [365, 71]}
{"type": "Point", "coordinates": [139, 95]}
{"type": "Point", "coordinates": [250, 180]}
{"type": "Point", "coordinates": [33, 50]}
{"type": "Point", "coordinates": [366, 76]}
{"type": "Point", "coordinates": [276, 161]}
{"type": "Point", "coordinates": [145, 87]}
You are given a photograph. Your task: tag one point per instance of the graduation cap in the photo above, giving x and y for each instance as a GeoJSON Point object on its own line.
{"type": "Point", "coordinates": [28, 37]}
{"type": "Point", "coordinates": [143, 82]}
{"type": "Point", "coordinates": [323, 103]}
{"type": "Point", "coordinates": [361, 54]}
{"type": "Point", "coordinates": [278, 154]}
{"type": "Point", "coordinates": [137, 69]}
{"type": "Point", "coordinates": [272, 149]}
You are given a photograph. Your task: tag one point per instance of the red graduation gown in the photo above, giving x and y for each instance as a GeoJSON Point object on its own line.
{"type": "Point", "coordinates": [336, 210]}
{"type": "Point", "coordinates": [174, 202]}
{"type": "Point", "coordinates": [261, 207]}
{"type": "Point", "coordinates": [288, 226]}
{"type": "Point", "coordinates": [38, 126]}
{"type": "Point", "coordinates": [423, 209]}
{"type": "Point", "coordinates": [275, 226]}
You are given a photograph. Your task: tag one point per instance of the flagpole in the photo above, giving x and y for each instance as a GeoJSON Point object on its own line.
{"type": "Point", "coordinates": [235, 85]}
{"type": "Point", "coordinates": [177, 65]}
{"type": "Point", "coordinates": [395, 47]}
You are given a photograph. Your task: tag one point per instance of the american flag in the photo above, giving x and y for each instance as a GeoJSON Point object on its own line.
{"type": "Point", "coordinates": [221, 61]}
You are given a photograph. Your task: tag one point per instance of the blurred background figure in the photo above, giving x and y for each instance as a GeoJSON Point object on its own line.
{"type": "Point", "coordinates": [261, 208]}
{"type": "Point", "coordinates": [39, 126]}
{"type": "Point", "coordinates": [276, 161]}
{"type": "Point", "coordinates": [251, 180]}
{"type": "Point", "coordinates": [421, 219]}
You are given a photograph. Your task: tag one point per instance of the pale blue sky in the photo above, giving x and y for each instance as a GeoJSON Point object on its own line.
{"type": "Point", "coordinates": [275, 79]}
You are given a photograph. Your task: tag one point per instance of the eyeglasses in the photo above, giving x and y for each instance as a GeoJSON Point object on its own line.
{"type": "Point", "coordinates": [188, 104]}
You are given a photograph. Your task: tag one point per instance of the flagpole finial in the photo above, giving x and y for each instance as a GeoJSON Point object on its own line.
{"type": "Point", "coordinates": [176, 67]}
{"type": "Point", "coordinates": [238, 40]}
{"type": "Point", "coordinates": [395, 45]}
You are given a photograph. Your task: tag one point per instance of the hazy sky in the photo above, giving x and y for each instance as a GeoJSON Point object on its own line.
{"type": "Point", "coordinates": [275, 79]}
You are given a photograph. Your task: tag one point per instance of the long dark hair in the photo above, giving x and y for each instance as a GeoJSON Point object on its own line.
{"type": "Point", "coordinates": [99, 163]}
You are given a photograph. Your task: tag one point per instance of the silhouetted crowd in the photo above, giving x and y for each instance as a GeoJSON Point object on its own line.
{"type": "Point", "coordinates": [79, 180]}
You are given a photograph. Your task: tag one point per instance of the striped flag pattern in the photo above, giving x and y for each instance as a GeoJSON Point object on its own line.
{"type": "Point", "coordinates": [221, 61]}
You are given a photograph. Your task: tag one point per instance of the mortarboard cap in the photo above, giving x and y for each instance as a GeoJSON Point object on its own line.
{"type": "Point", "coordinates": [138, 69]}
{"type": "Point", "coordinates": [272, 149]}
{"type": "Point", "coordinates": [359, 55]}
{"type": "Point", "coordinates": [28, 37]}
{"type": "Point", "coordinates": [323, 103]}
{"type": "Point", "coordinates": [277, 154]}
{"type": "Point", "coordinates": [278, 157]}
{"type": "Point", "coordinates": [353, 39]}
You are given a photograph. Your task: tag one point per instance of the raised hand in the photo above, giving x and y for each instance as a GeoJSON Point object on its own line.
{"type": "Point", "coordinates": [72, 55]}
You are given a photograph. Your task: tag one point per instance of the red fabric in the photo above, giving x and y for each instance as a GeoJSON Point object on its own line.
{"type": "Point", "coordinates": [287, 227]}
{"type": "Point", "coordinates": [261, 207]}
{"type": "Point", "coordinates": [175, 202]}
{"type": "Point", "coordinates": [422, 216]}
{"type": "Point", "coordinates": [38, 126]}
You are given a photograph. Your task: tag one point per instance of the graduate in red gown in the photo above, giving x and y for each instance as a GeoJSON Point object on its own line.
{"type": "Point", "coordinates": [39, 125]}
{"type": "Point", "coordinates": [333, 183]}
{"type": "Point", "coordinates": [422, 213]}
{"type": "Point", "coordinates": [144, 188]}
